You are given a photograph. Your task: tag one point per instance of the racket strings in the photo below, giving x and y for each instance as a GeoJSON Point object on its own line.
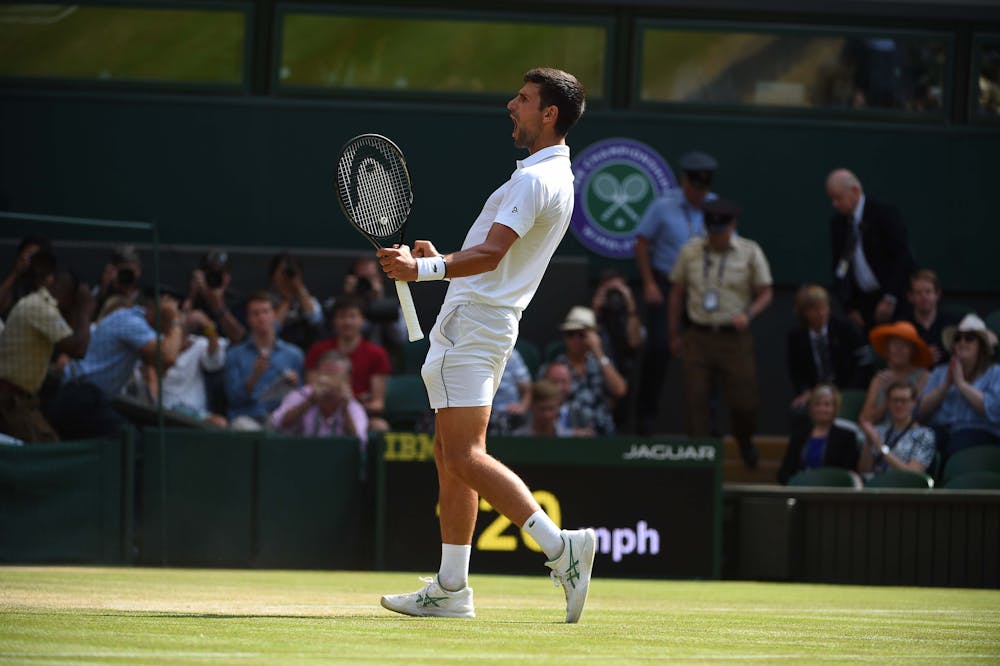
{"type": "Point", "coordinates": [374, 187]}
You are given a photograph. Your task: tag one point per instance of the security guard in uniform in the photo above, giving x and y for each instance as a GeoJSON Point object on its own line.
{"type": "Point", "coordinates": [726, 282]}
{"type": "Point", "coordinates": [668, 223]}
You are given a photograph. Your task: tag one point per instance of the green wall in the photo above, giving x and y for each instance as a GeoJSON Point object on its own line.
{"type": "Point", "coordinates": [241, 171]}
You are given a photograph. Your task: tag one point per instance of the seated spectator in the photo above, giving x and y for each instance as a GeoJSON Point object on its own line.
{"type": "Point", "coordinates": [36, 327]}
{"type": "Point", "coordinates": [621, 333]}
{"type": "Point", "coordinates": [262, 369]}
{"type": "Point", "coordinates": [19, 283]}
{"type": "Point", "coordinates": [384, 323]}
{"type": "Point", "coordinates": [298, 316]}
{"type": "Point", "coordinates": [924, 296]}
{"type": "Point", "coordinates": [124, 334]}
{"type": "Point", "coordinates": [559, 374]}
{"type": "Point", "coordinates": [596, 384]}
{"type": "Point", "coordinates": [907, 358]}
{"type": "Point", "coordinates": [513, 397]}
{"type": "Point", "coordinates": [121, 277]}
{"type": "Point", "coordinates": [824, 443]}
{"type": "Point", "coordinates": [325, 406]}
{"type": "Point", "coordinates": [183, 384]}
{"type": "Point", "coordinates": [901, 443]}
{"type": "Point", "coordinates": [543, 416]}
{"type": "Point", "coordinates": [823, 349]}
{"type": "Point", "coordinates": [370, 368]}
{"type": "Point", "coordinates": [961, 400]}
{"type": "Point", "coordinates": [209, 292]}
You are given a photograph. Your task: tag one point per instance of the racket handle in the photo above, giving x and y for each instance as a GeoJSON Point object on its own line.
{"type": "Point", "coordinates": [409, 311]}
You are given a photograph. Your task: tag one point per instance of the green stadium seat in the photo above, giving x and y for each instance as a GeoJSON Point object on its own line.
{"type": "Point", "coordinates": [851, 402]}
{"type": "Point", "coordinates": [974, 481]}
{"type": "Point", "coordinates": [897, 478]}
{"type": "Point", "coordinates": [405, 400]}
{"type": "Point", "coordinates": [531, 355]}
{"type": "Point", "coordinates": [831, 477]}
{"type": "Point", "coordinates": [976, 459]}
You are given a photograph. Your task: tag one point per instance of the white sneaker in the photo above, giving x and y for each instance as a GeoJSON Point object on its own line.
{"type": "Point", "coordinates": [432, 601]}
{"type": "Point", "coordinates": [572, 569]}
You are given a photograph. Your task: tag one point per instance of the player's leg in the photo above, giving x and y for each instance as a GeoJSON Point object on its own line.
{"type": "Point", "coordinates": [459, 506]}
{"type": "Point", "coordinates": [463, 446]}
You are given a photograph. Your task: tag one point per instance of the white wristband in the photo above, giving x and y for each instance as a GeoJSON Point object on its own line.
{"type": "Point", "coordinates": [431, 268]}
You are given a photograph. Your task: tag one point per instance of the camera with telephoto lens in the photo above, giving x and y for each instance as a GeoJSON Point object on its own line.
{"type": "Point", "coordinates": [125, 277]}
{"type": "Point", "coordinates": [614, 302]}
{"type": "Point", "coordinates": [213, 279]}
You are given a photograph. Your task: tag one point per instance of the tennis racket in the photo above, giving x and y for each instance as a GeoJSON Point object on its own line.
{"type": "Point", "coordinates": [374, 190]}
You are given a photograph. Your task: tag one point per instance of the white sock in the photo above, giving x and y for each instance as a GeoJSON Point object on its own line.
{"type": "Point", "coordinates": [454, 572]}
{"type": "Point", "coordinates": [541, 528]}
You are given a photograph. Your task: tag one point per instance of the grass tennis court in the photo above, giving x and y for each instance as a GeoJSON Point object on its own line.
{"type": "Point", "coordinates": [170, 616]}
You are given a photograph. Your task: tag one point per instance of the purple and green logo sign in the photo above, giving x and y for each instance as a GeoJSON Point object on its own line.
{"type": "Point", "coordinates": [616, 180]}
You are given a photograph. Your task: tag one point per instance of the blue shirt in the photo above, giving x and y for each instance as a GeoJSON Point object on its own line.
{"type": "Point", "coordinates": [516, 372]}
{"type": "Point", "coordinates": [270, 388]}
{"type": "Point", "coordinates": [955, 412]}
{"type": "Point", "coordinates": [812, 454]}
{"type": "Point", "coordinates": [115, 345]}
{"type": "Point", "coordinates": [669, 223]}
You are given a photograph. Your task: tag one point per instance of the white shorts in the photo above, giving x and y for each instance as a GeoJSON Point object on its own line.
{"type": "Point", "coordinates": [470, 345]}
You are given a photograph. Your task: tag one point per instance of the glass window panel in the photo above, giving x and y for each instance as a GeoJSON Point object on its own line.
{"type": "Point", "coordinates": [416, 54]}
{"type": "Point", "coordinates": [793, 69]}
{"type": "Point", "coordinates": [85, 42]}
{"type": "Point", "coordinates": [987, 81]}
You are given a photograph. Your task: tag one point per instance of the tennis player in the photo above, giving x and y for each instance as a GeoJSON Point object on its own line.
{"type": "Point", "coordinates": [493, 278]}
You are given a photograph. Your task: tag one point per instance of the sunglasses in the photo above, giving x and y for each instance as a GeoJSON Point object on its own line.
{"type": "Point", "coordinates": [966, 336]}
{"type": "Point", "coordinates": [576, 334]}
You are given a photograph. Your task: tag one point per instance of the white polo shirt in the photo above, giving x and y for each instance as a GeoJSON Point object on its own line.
{"type": "Point", "coordinates": [537, 203]}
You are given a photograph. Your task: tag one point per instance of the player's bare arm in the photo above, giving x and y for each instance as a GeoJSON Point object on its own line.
{"type": "Point", "coordinates": [399, 263]}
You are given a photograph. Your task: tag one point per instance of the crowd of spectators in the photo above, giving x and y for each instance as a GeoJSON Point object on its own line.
{"type": "Point", "coordinates": [76, 361]}
{"type": "Point", "coordinates": [281, 359]}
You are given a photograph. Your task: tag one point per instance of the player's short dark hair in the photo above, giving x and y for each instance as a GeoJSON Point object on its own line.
{"type": "Point", "coordinates": [562, 90]}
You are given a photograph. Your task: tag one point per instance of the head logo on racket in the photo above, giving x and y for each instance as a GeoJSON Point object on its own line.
{"type": "Point", "coordinates": [374, 191]}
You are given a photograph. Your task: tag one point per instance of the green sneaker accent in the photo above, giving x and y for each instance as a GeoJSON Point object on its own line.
{"type": "Point", "coordinates": [425, 600]}
{"type": "Point", "coordinates": [573, 570]}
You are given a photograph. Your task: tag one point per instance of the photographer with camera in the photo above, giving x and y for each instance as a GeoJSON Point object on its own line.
{"type": "Point", "coordinates": [19, 282]}
{"type": "Point", "coordinates": [621, 332]}
{"type": "Point", "coordinates": [120, 277]}
{"type": "Point", "coordinates": [384, 324]}
{"type": "Point", "coordinates": [298, 314]}
{"type": "Point", "coordinates": [326, 405]}
{"type": "Point", "coordinates": [209, 293]}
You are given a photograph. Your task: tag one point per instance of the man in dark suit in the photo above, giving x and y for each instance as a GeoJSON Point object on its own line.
{"type": "Point", "coordinates": [824, 349]}
{"type": "Point", "coordinates": [871, 255]}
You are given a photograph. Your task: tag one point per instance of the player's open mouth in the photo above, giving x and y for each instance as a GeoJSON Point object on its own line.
{"type": "Point", "coordinates": [514, 120]}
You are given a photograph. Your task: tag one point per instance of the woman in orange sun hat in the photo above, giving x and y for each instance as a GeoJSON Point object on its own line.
{"type": "Point", "coordinates": [907, 358]}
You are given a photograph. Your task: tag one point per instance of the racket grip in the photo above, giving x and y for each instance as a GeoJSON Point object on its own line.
{"type": "Point", "coordinates": [409, 311]}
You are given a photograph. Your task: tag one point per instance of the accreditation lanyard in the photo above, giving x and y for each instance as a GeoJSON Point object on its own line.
{"type": "Point", "coordinates": [891, 440]}
{"type": "Point", "coordinates": [705, 267]}
{"type": "Point", "coordinates": [692, 232]}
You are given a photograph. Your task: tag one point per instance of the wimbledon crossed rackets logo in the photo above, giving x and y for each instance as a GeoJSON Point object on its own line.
{"type": "Point", "coordinates": [616, 181]}
{"type": "Point", "coordinates": [621, 195]}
